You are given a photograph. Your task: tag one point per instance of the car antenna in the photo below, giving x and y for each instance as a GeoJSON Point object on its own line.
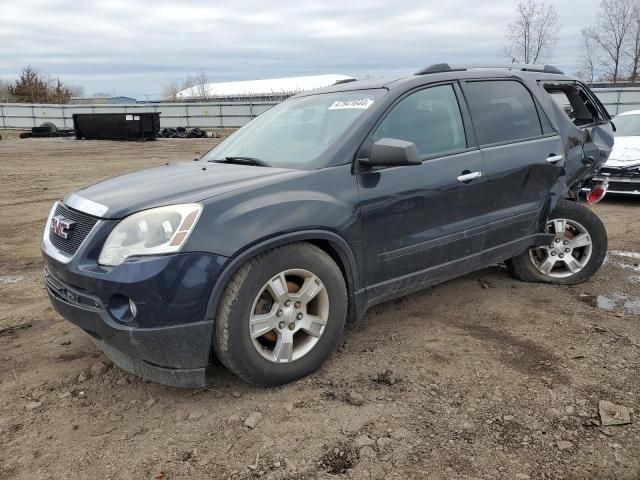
{"type": "Point", "coordinates": [513, 60]}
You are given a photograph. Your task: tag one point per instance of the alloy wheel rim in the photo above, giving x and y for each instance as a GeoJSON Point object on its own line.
{"type": "Point", "coordinates": [289, 316]}
{"type": "Point", "coordinates": [569, 252]}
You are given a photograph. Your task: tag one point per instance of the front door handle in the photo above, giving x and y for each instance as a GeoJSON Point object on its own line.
{"type": "Point", "coordinates": [467, 177]}
{"type": "Point", "coordinates": [555, 159]}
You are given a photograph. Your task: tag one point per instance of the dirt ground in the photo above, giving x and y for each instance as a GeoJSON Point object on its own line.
{"type": "Point", "coordinates": [492, 378]}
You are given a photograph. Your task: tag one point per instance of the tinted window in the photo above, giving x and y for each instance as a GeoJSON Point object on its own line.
{"type": "Point", "coordinates": [429, 118]}
{"type": "Point", "coordinates": [502, 111]}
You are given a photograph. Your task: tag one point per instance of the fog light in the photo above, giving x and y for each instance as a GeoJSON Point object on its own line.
{"type": "Point", "coordinates": [122, 308]}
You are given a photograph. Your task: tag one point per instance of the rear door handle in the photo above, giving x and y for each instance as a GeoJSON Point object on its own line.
{"type": "Point", "coordinates": [466, 177]}
{"type": "Point", "coordinates": [555, 158]}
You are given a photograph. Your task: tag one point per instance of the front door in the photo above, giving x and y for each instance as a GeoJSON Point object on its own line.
{"type": "Point", "coordinates": [421, 222]}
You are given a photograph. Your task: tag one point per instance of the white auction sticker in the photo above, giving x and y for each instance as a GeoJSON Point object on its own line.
{"type": "Point", "coordinates": [360, 103]}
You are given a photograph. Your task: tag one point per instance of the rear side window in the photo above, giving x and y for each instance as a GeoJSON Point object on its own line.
{"type": "Point", "coordinates": [429, 118]}
{"type": "Point", "coordinates": [575, 102]}
{"type": "Point", "coordinates": [502, 111]}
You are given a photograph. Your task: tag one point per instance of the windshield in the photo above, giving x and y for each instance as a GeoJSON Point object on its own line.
{"type": "Point", "coordinates": [295, 133]}
{"type": "Point", "coordinates": [627, 126]}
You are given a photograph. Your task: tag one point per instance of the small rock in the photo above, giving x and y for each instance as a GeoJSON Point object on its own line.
{"type": "Point", "coordinates": [33, 405]}
{"type": "Point", "coordinates": [84, 376]}
{"type": "Point", "coordinates": [64, 395]}
{"type": "Point", "coordinates": [570, 410]}
{"type": "Point", "coordinates": [253, 420]}
{"type": "Point", "coordinates": [522, 476]}
{"type": "Point", "coordinates": [508, 418]}
{"type": "Point", "coordinates": [564, 445]}
{"type": "Point", "coordinates": [354, 398]}
{"type": "Point", "coordinates": [364, 441]}
{"type": "Point", "coordinates": [367, 452]}
{"type": "Point", "coordinates": [289, 464]}
{"type": "Point", "coordinates": [607, 431]}
{"type": "Point", "coordinates": [233, 418]}
{"type": "Point", "coordinates": [289, 407]}
{"type": "Point", "coordinates": [236, 394]}
{"type": "Point", "coordinates": [151, 402]}
{"type": "Point", "coordinates": [384, 442]}
{"type": "Point", "coordinates": [121, 381]}
{"type": "Point", "coordinates": [387, 377]}
{"type": "Point", "coordinates": [581, 402]}
{"type": "Point", "coordinates": [99, 368]}
{"type": "Point", "coordinates": [400, 433]}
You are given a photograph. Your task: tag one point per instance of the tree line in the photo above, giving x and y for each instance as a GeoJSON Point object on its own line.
{"type": "Point", "coordinates": [609, 49]}
{"type": "Point", "coordinates": [34, 87]}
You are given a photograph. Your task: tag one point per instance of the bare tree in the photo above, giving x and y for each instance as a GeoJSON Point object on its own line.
{"type": "Point", "coordinates": [201, 82]}
{"type": "Point", "coordinates": [4, 91]}
{"type": "Point", "coordinates": [633, 49]}
{"type": "Point", "coordinates": [533, 33]}
{"type": "Point", "coordinates": [170, 91]}
{"type": "Point", "coordinates": [611, 34]}
{"type": "Point", "coordinates": [589, 57]}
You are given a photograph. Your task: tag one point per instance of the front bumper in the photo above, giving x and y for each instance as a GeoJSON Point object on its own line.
{"type": "Point", "coordinates": [169, 338]}
{"type": "Point", "coordinates": [621, 181]}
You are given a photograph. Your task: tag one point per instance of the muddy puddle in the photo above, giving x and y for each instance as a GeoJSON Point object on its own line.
{"type": "Point", "coordinates": [613, 301]}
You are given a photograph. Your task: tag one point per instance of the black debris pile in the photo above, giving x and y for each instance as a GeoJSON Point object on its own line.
{"type": "Point", "coordinates": [182, 132]}
{"type": "Point", "coordinates": [48, 129]}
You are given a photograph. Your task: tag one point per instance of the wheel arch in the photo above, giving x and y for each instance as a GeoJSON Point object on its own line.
{"type": "Point", "coordinates": [331, 243]}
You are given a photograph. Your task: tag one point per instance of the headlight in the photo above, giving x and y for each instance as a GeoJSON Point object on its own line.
{"type": "Point", "coordinates": [151, 232]}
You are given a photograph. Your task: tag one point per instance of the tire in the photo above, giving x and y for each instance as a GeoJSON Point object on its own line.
{"type": "Point", "coordinates": [26, 134]}
{"type": "Point", "coordinates": [52, 128]}
{"type": "Point", "coordinates": [253, 358]}
{"type": "Point", "coordinates": [571, 261]}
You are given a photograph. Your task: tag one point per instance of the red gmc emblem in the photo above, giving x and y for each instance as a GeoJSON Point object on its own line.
{"type": "Point", "coordinates": [61, 226]}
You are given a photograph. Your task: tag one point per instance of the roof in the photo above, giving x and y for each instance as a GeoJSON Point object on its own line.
{"type": "Point", "coordinates": [287, 85]}
{"type": "Point", "coordinates": [630, 112]}
{"type": "Point", "coordinates": [545, 73]}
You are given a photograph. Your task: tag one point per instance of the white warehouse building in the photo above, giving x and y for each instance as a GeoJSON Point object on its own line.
{"type": "Point", "coordinates": [275, 87]}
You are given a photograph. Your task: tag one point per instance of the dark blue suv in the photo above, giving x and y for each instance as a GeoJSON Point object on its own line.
{"type": "Point", "coordinates": [258, 253]}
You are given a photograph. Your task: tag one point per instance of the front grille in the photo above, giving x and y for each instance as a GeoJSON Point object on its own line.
{"type": "Point", "coordinates": [633, 173]}
{"type": "Point", "coordinates": [624, 186]}
{"type": "Point", "coordinates": [76, 235]}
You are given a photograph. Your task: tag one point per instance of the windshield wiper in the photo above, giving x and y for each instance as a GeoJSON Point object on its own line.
{"type": "Point", "coordinates": [243, 161]}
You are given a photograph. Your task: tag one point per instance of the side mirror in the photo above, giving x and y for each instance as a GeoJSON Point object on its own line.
{"type": "Point", "coordinates": [390, 152]}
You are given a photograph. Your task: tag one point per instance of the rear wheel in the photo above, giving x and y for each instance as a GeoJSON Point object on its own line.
{"type": "Point", "coordinates": [575, 253]}
{"type": "Point", "coordinates": [281, 315]}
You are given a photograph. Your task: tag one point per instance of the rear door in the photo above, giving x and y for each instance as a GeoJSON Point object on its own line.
{"type": "Point", "coordinates": [523, 157]}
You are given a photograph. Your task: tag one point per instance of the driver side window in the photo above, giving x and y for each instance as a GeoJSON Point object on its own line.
{"type": "Point", "coordinates": [429, 118]}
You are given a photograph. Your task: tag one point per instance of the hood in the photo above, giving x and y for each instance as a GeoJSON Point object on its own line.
{"type": "Point", "coordinates": [183, 182]}
{"type": "Point", "coordinates": [625, 153]}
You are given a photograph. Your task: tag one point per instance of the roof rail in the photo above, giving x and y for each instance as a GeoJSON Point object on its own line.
{"type": "Point", "coordinates": [445, 67]}
{"type": "Point", "coordinates": [346, 80]}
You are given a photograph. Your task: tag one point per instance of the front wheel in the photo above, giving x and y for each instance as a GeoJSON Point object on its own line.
{"type": "Point", "coordinates": [576, 252]}
{"type": "Point", "coordinates": [281, 315]}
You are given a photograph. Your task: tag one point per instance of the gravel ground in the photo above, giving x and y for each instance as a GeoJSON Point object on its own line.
{"type": "Point", "coordinates": [483, 377]}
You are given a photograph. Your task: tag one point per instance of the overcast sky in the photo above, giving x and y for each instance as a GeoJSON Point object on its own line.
{"type": "Point", "coordinates": [132, 48]}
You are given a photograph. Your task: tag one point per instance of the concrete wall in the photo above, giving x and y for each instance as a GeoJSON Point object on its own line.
{"type": "Point", "coordinates": [216, 114]}
{"type": "Point", "coordinates": [203, 115]}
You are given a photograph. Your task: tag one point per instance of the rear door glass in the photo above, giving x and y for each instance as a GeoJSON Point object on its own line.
{"type": "Point", "coordinates": [502, 111]}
